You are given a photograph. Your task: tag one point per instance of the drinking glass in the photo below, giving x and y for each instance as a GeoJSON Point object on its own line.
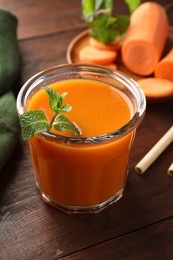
{"type": "Point", "coordinates": [76, 174]}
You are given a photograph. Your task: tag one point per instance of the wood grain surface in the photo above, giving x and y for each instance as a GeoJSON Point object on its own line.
{"type": "Point", "coordinates": [140, 225]}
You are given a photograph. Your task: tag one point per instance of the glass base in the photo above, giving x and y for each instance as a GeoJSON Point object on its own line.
{"type": "Point", "coordinates": [83, 209]}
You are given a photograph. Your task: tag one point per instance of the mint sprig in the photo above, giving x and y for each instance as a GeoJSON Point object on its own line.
{"type": "Point", "coordinates": [34, 122]}
{"type": "Point", "coordinates": [62, 123]}
{"type": "Point", "coordinates": [56, 100]}
{"type": "Point", "coordinates": [104, 26]}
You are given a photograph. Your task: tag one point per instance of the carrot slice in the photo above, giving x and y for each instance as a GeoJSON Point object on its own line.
{"type": "Point", "coordinates": [145, 38]}
{"type": "Point", "coordinates": [155, 88]}
{"type": "Point", "coordinates": [164, 68]}
{"type": "Point", "coordinates": [96, 56]}
{"type": "Point", "coordinates": [114, 46]}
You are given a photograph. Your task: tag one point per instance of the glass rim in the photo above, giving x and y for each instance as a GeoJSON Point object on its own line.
{"type": "Point", "coordinates": [116, 75]}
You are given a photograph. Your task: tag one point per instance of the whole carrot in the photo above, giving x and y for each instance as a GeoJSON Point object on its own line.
{"type": "Point", "coordinates": [145, 38]}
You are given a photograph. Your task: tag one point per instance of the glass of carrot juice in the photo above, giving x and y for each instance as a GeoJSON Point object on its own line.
{"type": "Point", "coordinates": [84, 174]}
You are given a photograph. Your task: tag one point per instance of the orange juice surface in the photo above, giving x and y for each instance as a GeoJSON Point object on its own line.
{"type": "Point", "coordinates": [82, 174]}
{"type": "Point", "coordinates": [96, 107]}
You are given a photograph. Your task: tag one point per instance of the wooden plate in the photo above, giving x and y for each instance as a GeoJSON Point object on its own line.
{"type": "Point", "coordinates": [82, 40]}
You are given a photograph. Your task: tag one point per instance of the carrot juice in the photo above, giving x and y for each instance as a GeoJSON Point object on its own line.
{"type": "Point", "coordinates": [86, 173]}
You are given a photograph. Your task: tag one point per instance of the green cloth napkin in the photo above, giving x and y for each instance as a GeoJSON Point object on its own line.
{"type": "Point", "coordinates": [9, 68]}
{"type": "Point", "coordinates": [9, 53]}
{"type": "Point", "coordinates": [9, 127]}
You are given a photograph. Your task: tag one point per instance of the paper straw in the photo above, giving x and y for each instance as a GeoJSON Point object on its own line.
{"type": "Point", "coordinates": [170, 170]}
{"type": "Point", "coordinates": [154, 153]}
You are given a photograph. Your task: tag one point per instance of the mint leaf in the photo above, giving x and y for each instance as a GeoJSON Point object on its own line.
{"type": "Point", "coordinates": [63, 95]}
{"type": "Point", "coordinates": [99, 4]}
{"type": "Point", "coordinates": [62, 123]}
{"type": "Point", "coordinates": [132, 4]}
{"type": "Point", "coordinates": [90, 8]}
{"type": "Point", "coordinates": [123, 22]}
{"type": "Point", "coordinates": [55, 100]}
{"type": "Point", "coordinates": [66, 108]}
{"type": "Point", "coordinates": [104, 4]}
{"type": "Point", "coordinates": [103, 28]}
{"type": "Point", "coordinates": [106, 28]}
{"type": "Point", "coordinates": [33, 122]}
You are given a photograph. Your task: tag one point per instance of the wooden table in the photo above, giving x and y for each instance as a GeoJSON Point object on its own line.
{"type": "Point", "coordinates": [140, 225]}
